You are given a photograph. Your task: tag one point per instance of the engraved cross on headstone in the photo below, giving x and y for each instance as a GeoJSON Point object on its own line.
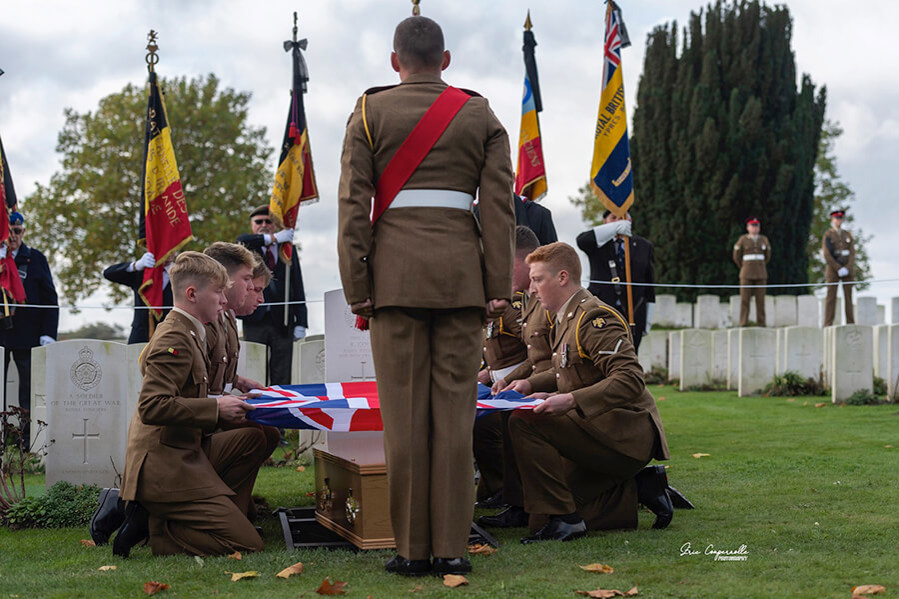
{"type": "Point", "coordinates": [85, 436]}
{"type": "Point", "coordinates": [361, 377]}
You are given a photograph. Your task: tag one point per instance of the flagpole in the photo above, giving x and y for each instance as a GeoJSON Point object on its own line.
{"type": "Point", "coordinates": [288, 264]}
{"type": "Point", "coordinates": [152, 58]}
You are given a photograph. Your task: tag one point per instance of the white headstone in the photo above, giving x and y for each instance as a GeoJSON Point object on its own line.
{"type": "Point", "coordinates": [252, 361]}
{"type": "Point", "coordinates": [808, 311]}
{"type": "Point", "coordinates": [757, 356]}
{"type": "Point", "coordinates": [838, 312]}
{"type": "Point", "coordinates": [719, 356]}
{"type": "Point", "coordinates": [87, 383]}
{"type": "Point", "coordinates": [309, 360]}
{"type": "Point", "coordinates": [695, 358]}
{"type": "Point", "coordinates": [827, 355]}
{"type": "Point", "coordinates": [707, 312]}
{"type": "Point", "coordinates": [733, 358]}
{"type": "Point", "coordinates": [734, 310]}
{"type": "Point", "coordinates": [892, 373]}
{"type": "Point", "coordinates": [769, 311]}
{"type": "Point", "coordinates": [674, 355]}
{"type": "Point", "coordinates": [785, 311]}
{"type": "Point", "coordinates": [881, 314]}
{"type": "Point", "coordinates": [779, 357]}
{"type": "Point", "coordinates": [894, 310]}
{"type": "Point", "coordinates": [38, 395]}
{"type": "Point", "coordinates": [724, 321]}
{"type": "Point", "coordinates": [803, 348]}
{"type": "Point", "coordinates": [881, 349]}
{"type": "Point", "coordinates": [683, 315]}
{"type": "Point", "coordinates": [852, 361]}
{"type": "Point", "coordinates": [664, 314]}
{"type": "Point", "coordinates": [135, 380]}
{"type": "Point", "coordinates": [866, 311]}
{"type": "Point", "coordinates": [347, 349]}
{"type": "Point", "coordinates": [12, 384]}
{"type": "Point", "coordinates": [656, 343]}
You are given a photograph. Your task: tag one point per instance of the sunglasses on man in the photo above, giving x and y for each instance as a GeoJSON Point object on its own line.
{"type": "Point", "coordinates": [17, 230]}
{"type": "Point", "coordinates": [262, 221]}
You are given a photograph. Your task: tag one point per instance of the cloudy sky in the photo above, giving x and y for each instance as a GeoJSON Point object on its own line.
{"type": "Point", "coordinates": [60, 54]}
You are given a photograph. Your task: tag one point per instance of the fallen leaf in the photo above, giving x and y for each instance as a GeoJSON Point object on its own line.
{"type": "Point", "coordinates": [481, 549]}
{"type": "Point", "coordinates": [701, 455]}
{"type": "Point", "coordinates": [310, 494]}
{"type": "Point", "coordinates": [236, 555]}
{"type": "Point", "coordinates": [301, 468]}
{"type": "Point", "coordinates": [792, 399]}
{"type": "Point", "coordinates": [153, 587]}
{"type": "Point", "coordinates": [415, 589]}
{"type": "Point", "coordinates": [662, 398]}
{"type": "Point", "coordinates": [861, 591]}
{"type": "Point", "coordinates": [631, 592]}
{"type": "Point", "coordinates": [235, 576]}
{"type": "Point", "coordinates": [454, 580]}
{"type": "Point", "coordinates": [199, 560]}
{"type": "Point", "coordinates": [329, 588]}
{"type": "Point", "coordinates": [106, 568]}
{"type": "Point", "coordinates": [820, 404]}
{"type": "Point", "coordinates": [887, 446]}
{"type": "Point", "coordinates": [87, 543]}
{"type": "Point", "coordinates": [606, 593]}
{"type": "Point", "coordinates": [289, 571]}
{"type": "Point", "coordinates": [598, 568]}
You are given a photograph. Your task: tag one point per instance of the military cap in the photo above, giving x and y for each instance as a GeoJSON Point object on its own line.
{"type": "Point", "coordinates": [16, 218]}
{"type": "Point", "coordinates": [259, 210]}
{"type": "Point", "coordinates": [753, 220]}
{"type": "Point", "coordinates": [838, 212]}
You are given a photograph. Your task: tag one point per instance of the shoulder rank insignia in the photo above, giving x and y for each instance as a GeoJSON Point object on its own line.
{"type": "Point", "coordinates": [172, 351]}
{"type": "Point", "coordinates": [598, 323]}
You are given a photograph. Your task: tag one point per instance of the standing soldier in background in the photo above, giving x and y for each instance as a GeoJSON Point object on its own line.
{"type": "Point", "coordinates": [839, 254]}
{"type": "Point", "coordinates": [751, 253]}
{"type": "Point", "coordinates": [417, 265]}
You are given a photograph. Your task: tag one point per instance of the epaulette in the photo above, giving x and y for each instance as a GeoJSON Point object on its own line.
{"type": "Point", "coordinates": [374, 90]}
{"type": "Point", "coordinates": [612, 316]}
{"type": "Point", "coordinates": [471, 93]}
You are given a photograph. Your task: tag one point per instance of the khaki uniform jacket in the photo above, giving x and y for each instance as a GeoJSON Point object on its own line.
{"type": "Point", "coordinates": [426, 257]}
{"type": "Point", "coordinates": [843, 247]}
{"type": "Point", "coordinates": [752, 256]}
{"type": "Point", "coordinates": [223, 343]}
{"type": "Point", "coordinates": [535, 332]}
{"type": "Point", "coordinates": [164, 459]}
{"type": "Point", "coordinates": [502, 337]}
{"type": "Point", "coordinates": [594, 360]}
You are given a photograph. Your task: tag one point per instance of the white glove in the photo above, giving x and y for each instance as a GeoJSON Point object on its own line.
{"type": "Point", "coordinates": [46, 340]}
{"type": "Point", "coordinates": [298, 333]}
{"type": "Point", "coordinates": [3, 252]}
{"type": "Point", "coordinates": [650, 312]}
{"type": "Point", "coordinates": [605, 233]}
{"type": "Point", "coordinates": [283, 236]}
{"type": "Point", "coordinates": [148, 260]}
{"type": "Point", "coordinates": [843, 272]}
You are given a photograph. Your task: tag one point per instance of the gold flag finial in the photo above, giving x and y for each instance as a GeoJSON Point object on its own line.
{"type": "Point", "coordinates": [527, 22]}
{"type": "Point", "coordinates": [152, 57]}
{"type": "Point", "coordinates": [416, 10]}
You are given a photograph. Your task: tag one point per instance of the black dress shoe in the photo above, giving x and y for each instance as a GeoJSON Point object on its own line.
{"type": "Point", "coordinates": [109, 516]}
{"type": "Point", "coordinates": [557, 529]}
{"type": "Point", "coordinates": [455, 565]}
{"type": "Point", "coordinates": [652, 491]}
{"type": "Point", "coordinates": [134, 530]}
{"type": "Point", "coordinates": [408, 567]}
{"type": "Point", "coordinates": [678, 501]}
{"type": "Point", "coordinates": [511, 517]}
{"type": "Point", "coordinates": [493, 502]}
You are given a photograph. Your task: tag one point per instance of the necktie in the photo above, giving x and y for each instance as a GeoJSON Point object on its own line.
{"type": "Point", "coordinates": [620, 252]}
{"type": "Point", "coordinates": [270, 258]}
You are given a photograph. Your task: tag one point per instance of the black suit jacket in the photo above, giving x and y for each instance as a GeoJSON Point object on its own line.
{"type": "Point", "coordinates": [642, 271]}
{"type": "Point", "coordinates": [140, 325]}
{"type": "Point", "coordinates": [535, 217]}
{"type": "Point", "coordinates": [275, 290]}
{"type": "Point", "coordinates": [30, 323]}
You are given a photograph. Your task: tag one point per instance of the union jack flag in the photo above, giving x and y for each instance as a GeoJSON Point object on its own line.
{"type": "Point", "coordinates": [348, 407]}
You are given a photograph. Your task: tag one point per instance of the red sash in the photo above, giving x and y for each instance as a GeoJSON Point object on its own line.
{"type": "Point", "coordinates": [414, 149]}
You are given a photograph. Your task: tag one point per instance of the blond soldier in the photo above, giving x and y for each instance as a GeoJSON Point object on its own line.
{"type": "Point", "coordinates": [190, 483]}
{"type": "Point", "coordinates": [598, 426]}
{"type": "Point", "coordinates": [752, 252]}
{"type": "Point", "coordinates": [423, 273]}
{"type": "Point", "coordinates": [839, 254]}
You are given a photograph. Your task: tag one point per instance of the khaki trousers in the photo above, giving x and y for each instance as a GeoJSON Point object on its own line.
{"type": "Point", "coordinates": [426, 362]}
{"type": "Point", "coordinates": [748, 292]}
{"type": "Point", "coordinates": [565, 470]}
{"type": "Point", "coordinates": [830, 302]}
{"type": "Point", "coordinates": [216, 525]}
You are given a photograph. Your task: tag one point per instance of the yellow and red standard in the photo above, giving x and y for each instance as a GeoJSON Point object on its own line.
{"type": "Point", "coordinates": [10, 282]}
{"type": "Point", "coordinates": [164, 224]}
{"type": "Point", "coordinates": [530, 173]}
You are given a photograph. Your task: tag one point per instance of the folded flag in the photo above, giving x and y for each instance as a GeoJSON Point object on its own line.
{"type": "Point", "coordinates": [349, 407]}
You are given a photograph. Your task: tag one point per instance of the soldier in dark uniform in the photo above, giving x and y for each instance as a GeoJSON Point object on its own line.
{"type": "Point", "coordinates": [751, 253]}
{"type": "Point", "coordinates": [424, 273]}
{"type": "Point", "coordinates": [839, 254]}
{"type": "Point", "coordinates": [598, 426]}
{"type": "Point", "coordinates": [132, 275]}
{"type": "Point", "coordinates": [604, 246]}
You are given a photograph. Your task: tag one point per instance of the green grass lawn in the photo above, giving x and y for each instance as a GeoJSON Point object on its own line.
{"type": "Point", "coordinates": [813, 494]}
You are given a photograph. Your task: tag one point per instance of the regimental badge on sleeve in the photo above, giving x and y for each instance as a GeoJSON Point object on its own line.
{"type": "Point", "coordinates": [598, 322]}
{"type": "Point", "coordinates": [516, 304]}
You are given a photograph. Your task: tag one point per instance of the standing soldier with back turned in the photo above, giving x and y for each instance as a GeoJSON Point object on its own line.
{"type": "Point", "coordinates": [751, 253]}
{"type": "Point", "coordinates": [418, 265]}
{"type": "Point", "coordinates": [839, 254]}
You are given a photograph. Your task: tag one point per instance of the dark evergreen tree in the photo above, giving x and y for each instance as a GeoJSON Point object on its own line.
{"type": "Point", "coordinates": [721, 132]}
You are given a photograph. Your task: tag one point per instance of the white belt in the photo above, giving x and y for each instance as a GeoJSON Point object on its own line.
{"type": "Point", "coordinates": [432, 198]}
{"type": "Point", "coordinates": [754, 257]}
{"type": "Point", "coordinates": [502, 372]}
{"type": "Point", "coordinates": [844, 252]}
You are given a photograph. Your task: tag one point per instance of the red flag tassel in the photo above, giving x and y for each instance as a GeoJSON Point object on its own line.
{"type": "Point", "coordinates": [361, 323]}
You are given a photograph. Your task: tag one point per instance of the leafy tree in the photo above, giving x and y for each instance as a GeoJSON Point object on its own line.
{"type": "Point", "coordinates": [721, 132]}
{"type": "Point", "coordinates": [96, 330]}
{"type": "Point", "coordinates": [831, 192]}
{"type": "Point", "coordinates": [87, 217]}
